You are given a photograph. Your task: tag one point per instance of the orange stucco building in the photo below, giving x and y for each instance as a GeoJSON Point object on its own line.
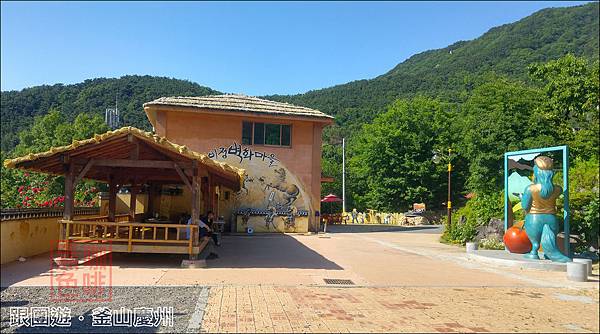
{"type": "Point", "coordinates": [277, 144]}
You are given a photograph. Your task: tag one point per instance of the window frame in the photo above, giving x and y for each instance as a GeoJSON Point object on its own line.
{"type": "Point", "coordinates": [251, 132]}
{"type": "Point", "coordinates": [281, 125]}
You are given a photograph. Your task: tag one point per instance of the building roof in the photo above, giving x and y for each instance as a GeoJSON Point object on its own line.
{"type": "Point", "coordinates": [237, 103]}
{"type": "Point", "coordinates": [116, 145]}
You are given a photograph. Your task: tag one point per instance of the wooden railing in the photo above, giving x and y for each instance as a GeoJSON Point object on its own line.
{"type": "Point", "coordinates": [130, 232]}
{"type": "Point", "coordinates": [118, 218]}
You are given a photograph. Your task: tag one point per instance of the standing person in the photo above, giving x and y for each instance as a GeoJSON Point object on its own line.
{"type": "Point", "coordinates": [354, 216]}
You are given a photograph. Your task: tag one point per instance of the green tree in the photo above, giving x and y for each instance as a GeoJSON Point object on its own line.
{"type": "Point", "coordinates": [570, 85]}
{"type": "Point", "coordinates": [498, 117]}
{"type": "Point", "coordinates": [26, 189]}
{"type": "Point", "coordinates": [392, 166]}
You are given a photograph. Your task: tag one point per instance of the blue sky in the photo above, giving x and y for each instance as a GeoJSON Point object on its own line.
{"type": "Point", "coordinates": [240, 47]}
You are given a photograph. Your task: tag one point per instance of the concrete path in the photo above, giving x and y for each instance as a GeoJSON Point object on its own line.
{"type": "Point", "coordinates": [397, 281]}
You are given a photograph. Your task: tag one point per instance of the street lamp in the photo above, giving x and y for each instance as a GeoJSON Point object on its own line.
{"type": "Point", "coordinates": [438, 157]}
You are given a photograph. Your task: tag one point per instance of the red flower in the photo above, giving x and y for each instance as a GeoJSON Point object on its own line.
{"type": "Point", "coordinates": [21, 189]}
{"type": "Point", "coordinates": [27, 198]}
{"type": "Point", "coordinates": [26, 174]}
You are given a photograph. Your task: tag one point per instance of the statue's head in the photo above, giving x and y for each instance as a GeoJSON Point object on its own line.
{"type": "Point", "coordinates": [542, 174]}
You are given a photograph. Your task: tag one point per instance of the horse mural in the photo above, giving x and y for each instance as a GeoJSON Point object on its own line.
{"type": "Point", "coordinates": [271, 198]}
{"type": "Point", "coordinates": [289, 191]}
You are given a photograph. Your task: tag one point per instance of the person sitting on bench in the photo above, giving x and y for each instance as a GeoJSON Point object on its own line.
{"type": "Point", "coordinates": [205, 227]}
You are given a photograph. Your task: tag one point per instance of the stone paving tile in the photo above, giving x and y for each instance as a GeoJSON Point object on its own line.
{"type": "Point", "coordinates": [312, 309]}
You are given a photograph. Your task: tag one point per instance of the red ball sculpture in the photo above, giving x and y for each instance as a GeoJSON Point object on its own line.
{"type": "Point", "coordinates": [516, 240]}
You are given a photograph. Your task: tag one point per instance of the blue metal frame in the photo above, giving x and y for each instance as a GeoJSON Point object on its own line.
{"type": "Point", "coordinates": [566, 209]}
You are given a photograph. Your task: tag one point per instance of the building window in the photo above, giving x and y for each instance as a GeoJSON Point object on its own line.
{"type": "Point", "coordinates": [272, 134]}
{"type": "Point", "coordinates": [259, 134]}
{"type": "Point", "coordinates": [247, 133]}
{"type": "Point", "coordinates": [286, 135]}
{"type": "Point", "coordinates": [266, 134]}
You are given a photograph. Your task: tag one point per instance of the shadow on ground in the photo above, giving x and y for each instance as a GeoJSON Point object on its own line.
{"type": "Point", "coordinates": [366, 228]}
{"type": "Point", "coordinates": [240, 251]}
{"type": "Point", "coordinates": [237, 251]}
{"type": "Point", "coordinates": [268, 251]}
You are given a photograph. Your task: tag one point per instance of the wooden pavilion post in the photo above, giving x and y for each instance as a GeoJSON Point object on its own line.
{"type": "Point", "coordinates": [133, 200]}
{"type": "Point", "coordinates": [150, 206]}
{"type": "Point", "coordinates": [195, 206]}
{"type": "Point", "coordinates": [69, 191]}
{"type": "Point", "coordinates": [210, 194]}
{"type": "Point", "coordinates": [112, 198]}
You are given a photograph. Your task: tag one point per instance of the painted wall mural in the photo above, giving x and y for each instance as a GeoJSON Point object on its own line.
{"type": "Point", "coordinates": [272, 199]}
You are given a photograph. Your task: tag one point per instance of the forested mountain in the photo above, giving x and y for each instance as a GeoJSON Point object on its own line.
{"type": "Point", "coordinates": [449, 74]}
{"type": "Point", "coordinates": [18, 108]}
{"type": "Point", "coordinates": [452, 72]}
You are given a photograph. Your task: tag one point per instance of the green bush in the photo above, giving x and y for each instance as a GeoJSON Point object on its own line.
{"type": "Point", "coordinates": [584, 202]}
{"type": "Point", "coordinates": [477, 212]}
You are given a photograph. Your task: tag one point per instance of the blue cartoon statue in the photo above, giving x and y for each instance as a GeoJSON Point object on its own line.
{"type": "Point", "coordinates": [539, 203]}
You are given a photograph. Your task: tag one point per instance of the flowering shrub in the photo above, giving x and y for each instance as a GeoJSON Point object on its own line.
{"type": "Point", "coordinates": [32, 190]}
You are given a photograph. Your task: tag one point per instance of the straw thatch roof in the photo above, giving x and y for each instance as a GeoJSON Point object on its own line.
{"type": "Point", "coordinates": [113, 145]}
{"type": "Point", "coordinates": [239, 103]}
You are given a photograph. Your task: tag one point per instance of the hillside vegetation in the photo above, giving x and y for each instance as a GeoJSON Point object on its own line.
{"type": "Point", "coordinates": [18, 108]}
{"type": "Point", "coordinates": [451, 73]}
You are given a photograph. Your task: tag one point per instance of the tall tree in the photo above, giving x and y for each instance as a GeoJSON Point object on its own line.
{"type": "Point", "coordinates": [570, 85]}
{"type": "Point", "coordinates": [392, 163]}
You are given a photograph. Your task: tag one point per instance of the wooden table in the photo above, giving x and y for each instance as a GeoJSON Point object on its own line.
{"type": "Point", "coordinates": [159, 221]}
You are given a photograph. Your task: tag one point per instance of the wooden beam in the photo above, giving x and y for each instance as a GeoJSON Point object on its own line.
{"type": "Point", "coordinates": [151, 192]}
{"type": "Point", "coordinates": [112, 198]}
{"type": "Point", "coordinates": [85, 169]}
{"type": "Point", "coordinates": [69, 191]}
{"type": "Point", "coordinates": [133, 200]}
{"type": "Point", "coordinates": [183, 177]}
{"type": "Point", "coordinates": [127, 163]}
{"type": "Point", "coordinates": [195, 204]}
{"type": "Point", "coordinates": [210, 192]}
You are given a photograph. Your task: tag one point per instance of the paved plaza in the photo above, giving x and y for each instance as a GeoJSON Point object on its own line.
{"type": "Point", "coordinates": [395, 280]}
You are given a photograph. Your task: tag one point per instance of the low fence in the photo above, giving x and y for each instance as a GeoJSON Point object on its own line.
{"type": "Point", "coordinates": [374, 217]}
{"type": "Point", "coordinates": [29, 232]}
{"type": "Point", "coordinates": [11, 214]}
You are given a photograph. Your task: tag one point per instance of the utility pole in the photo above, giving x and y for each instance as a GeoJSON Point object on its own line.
{"type": "Point", "coordinates": [449, 187]}
{"type": "Point", "coordinates": [344, 175]}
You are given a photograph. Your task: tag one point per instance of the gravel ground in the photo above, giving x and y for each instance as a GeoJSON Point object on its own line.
{"type": "Point", "coordinates": [182, 299]}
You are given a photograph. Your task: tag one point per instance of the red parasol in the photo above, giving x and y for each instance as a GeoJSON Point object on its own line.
{"type": "Point", "coordinates": [331, 198]}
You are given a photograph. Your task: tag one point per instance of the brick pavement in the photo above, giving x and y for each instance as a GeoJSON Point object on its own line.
{"type": "Point", "coordinates": [306, 309]}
